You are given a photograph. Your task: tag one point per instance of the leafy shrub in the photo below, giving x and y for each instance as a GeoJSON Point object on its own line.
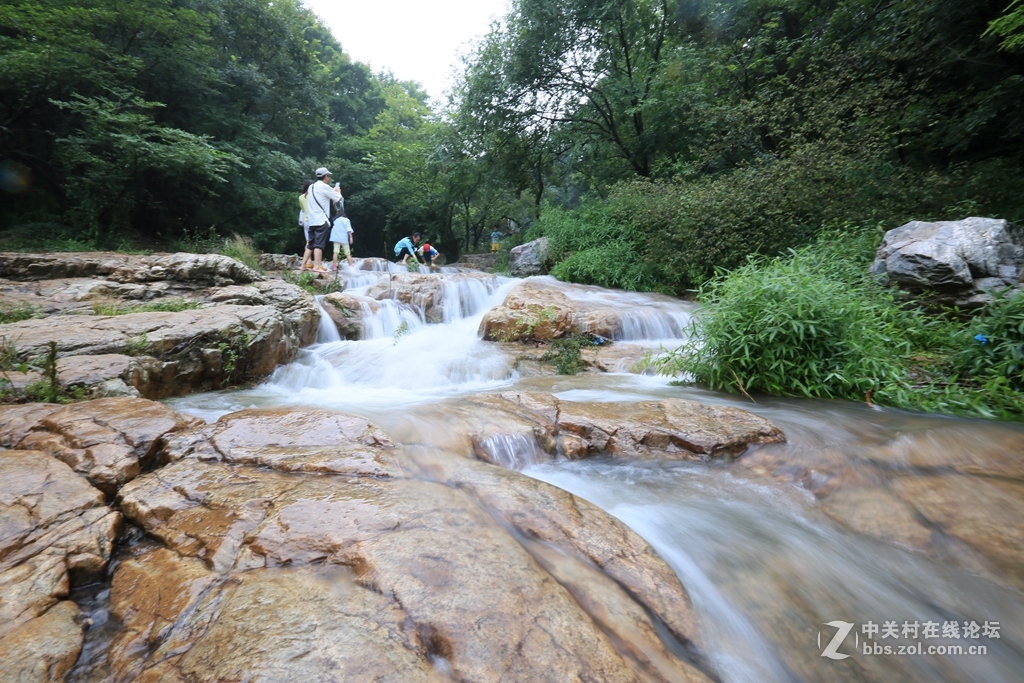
{"type": "Point", "coordinates": [999, 337]}
{"type": "Point", "coordinates": [565, 354]}
{"type": "Point", "coordinates": [590, 247]}
{"type": "Point", "coordinates": [812, 324]}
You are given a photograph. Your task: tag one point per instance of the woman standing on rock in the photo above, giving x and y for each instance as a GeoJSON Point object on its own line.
{"type": "Point", "coordinates": [304, 222]}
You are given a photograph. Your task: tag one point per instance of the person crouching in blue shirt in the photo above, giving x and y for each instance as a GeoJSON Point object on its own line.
{"type": "Point", "coordinates": [406, 247]}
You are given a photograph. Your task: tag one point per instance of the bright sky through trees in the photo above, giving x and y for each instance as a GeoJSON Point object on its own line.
{"type": "Point", "coordinates": [416, 40]}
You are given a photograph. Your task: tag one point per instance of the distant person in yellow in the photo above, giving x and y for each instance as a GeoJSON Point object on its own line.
{"type": "Point", "coordinates": [495, 240]}
{"type": "Point", "coordinates": [304, 224]}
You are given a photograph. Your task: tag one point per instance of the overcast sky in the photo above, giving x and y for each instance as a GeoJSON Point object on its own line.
{"type": "Point", "coordinates": [416, 40]}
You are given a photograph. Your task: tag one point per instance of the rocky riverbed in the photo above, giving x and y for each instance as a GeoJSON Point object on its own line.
{"type": "Point", "coordinates": [401, 489]}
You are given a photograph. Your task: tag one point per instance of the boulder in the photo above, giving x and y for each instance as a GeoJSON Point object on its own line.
{"type": "Point", "coordinates": [962, 259]}
{"type": "Point", "coordinates": [374, 564]}
{"type": "Point", "coordinates": [674, 429]}
{"type": "Point", "coordinates": [108, 441]}
{"type": "Point", "coordinates": [437, 298]}
{"type": "Point", "coordinates": [55, 532]}
{"type": "Point", "coordinates": [482, 262]}
{"type": "Point", "coordinates": [347, 312]}
{"type": "Point", "coordinates": [529, 259]}
{"type": "Point", "coordinates": [543, 309]}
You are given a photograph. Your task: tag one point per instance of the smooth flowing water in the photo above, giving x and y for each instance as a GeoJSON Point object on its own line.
{"type": "Point", "coordinates": [766, 568]}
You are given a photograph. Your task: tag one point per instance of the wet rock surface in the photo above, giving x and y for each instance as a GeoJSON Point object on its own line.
{"type": "Point", "coordinates": [543, 309]}
{"type": "Point", "coordinates": [347, 312]}
{"type": "Point", "coordinates": [943, 492]}
{"type": "Point", "coordinates": [382, 563]}
{"type": "Point", "coordinates": [245, 324]}
{"type": "Point", "coordinates": [55, 529]}
{"type": "Point", "coordinates": [436, 298]}
{"type": "Point", "coordinates": [107, 441]}
{"type": "Point", "coordinates": [518, 428]}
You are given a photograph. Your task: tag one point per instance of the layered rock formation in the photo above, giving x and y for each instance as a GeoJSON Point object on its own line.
{"type": "Point", "coordinates": [942, 493]}
{"type": "Point", "coordinates": [243, 327]}
{"type": "Point", "coordinates": [518, 428]}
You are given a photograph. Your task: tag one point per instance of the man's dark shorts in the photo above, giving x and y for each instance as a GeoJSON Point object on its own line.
{"type": "Point", "coordinates": [318, 236]}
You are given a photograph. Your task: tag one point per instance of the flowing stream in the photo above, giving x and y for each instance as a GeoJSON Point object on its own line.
{"type": "Point", "coordinates": [765, 566]}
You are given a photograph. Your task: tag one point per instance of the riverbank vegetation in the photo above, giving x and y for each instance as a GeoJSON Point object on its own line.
{"type": "Point", "coordinates": [813, 323]}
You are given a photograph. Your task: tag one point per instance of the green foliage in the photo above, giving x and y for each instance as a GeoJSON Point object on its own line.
{"type": "Point", "coordinates": [1010, 26]}
{"type": "Point", "coordinates": [565, 355]}
{"type": "Point", "coordinates": [242, 249]}
{"type": "Point", "coordinates": [109, 306]}
{"type": "Point", "coordinates": [998, 348]}
{"type": "Point", "coordinates": [13, 314]}
{"type": "Point", "coordinates": [811, 324]}
{"type": "Point", "coordinates": [400, 332]}
{"type": "Point", "coordinates": [304, 280]}
{"type": "Point", "coordinates": [136, 345]}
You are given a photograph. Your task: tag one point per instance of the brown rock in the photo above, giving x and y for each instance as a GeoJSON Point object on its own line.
{"type": "Point", "coordinates": [380, 569]}
{"type": "Point", "coordinates": [984, 514]}
{"type": "Point", "coordinates": [542, 309]}
{"type": "Point", "coordinates": [44, 649]}
{"type": "Point", "coordinates": [107, 440]}
{"type": "Point", "coordinates": [54, 529]}
{"type": "Point", "coordinates": [347, 312]}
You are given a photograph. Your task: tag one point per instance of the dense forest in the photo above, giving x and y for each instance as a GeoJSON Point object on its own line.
{"type": "Point", "coordinates": [652, 140]}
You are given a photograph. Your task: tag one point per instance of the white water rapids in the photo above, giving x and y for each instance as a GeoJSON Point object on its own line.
{"type": "Point", "coordinates": [766, 569]}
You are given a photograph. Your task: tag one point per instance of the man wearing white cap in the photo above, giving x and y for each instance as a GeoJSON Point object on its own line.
{"type": "Point", "coordinates": [321, 195]}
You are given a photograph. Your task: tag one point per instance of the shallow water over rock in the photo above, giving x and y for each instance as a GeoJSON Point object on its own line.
{"type": "Point", "coordinates": [862, 516]}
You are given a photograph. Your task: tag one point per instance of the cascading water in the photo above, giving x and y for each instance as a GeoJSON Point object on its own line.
{"type": "Point", "coordinates": [765, 567]}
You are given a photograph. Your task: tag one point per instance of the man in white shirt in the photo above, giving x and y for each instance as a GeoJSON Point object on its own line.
{"type": "Point", "coordinates": [320, 197]}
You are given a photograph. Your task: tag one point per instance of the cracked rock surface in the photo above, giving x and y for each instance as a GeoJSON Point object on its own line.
{"type": "Point", "coordinates": [53, 525]}
{"type": "Point", "coordinates": [515, 428]}
{"type": "Point", "coordinates": [299, 544]}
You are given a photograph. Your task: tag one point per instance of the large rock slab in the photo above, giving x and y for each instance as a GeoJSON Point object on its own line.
{"type": "Point", "coordinates": [674, 429]}
{"type": "Point", "coordinates": [210, 269]}
{"type": "Point", "coordinates": [55, 531]}
{"type": "Point", "coordinates": [529, 259]}
{"type": "Point", "coordinates": [375, 563]}
{"type": "Point", "coordinates": [962, 259]}
{"type": "Point", "coordinates": [201, 348]}
{"type": "Point", "coordinates": [107, 441]}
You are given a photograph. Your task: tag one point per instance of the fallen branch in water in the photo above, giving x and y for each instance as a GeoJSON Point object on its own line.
{"type": "Point", "coordinates": [740, 385]}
